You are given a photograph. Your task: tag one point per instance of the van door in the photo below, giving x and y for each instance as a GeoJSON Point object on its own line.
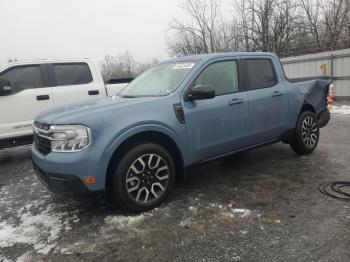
{"type": "Point", "coordinates": [30, 95]}
{"type": "Point", "coordinates": [74, 82]}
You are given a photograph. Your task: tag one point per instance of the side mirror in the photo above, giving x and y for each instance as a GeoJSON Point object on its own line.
{"type": "Point", "coordinates": [200, 92]}
{"type": "Point", "coordinates": [5, 88]}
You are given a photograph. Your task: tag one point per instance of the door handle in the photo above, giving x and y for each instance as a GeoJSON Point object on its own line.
{"type": "Point", "coordinates": [93, 92]}
{"type": "Point", "coordinates": [276, 93]}
{"type": "Point", "coordinates": [235, 101]}
{"type": "Point", "coordinates": [43, 97]}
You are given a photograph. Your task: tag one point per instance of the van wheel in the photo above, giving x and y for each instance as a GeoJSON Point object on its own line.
{"type": "Point", "coordinates": [143, 178]}
{"type": "Point", "coordinates": [306, 135]}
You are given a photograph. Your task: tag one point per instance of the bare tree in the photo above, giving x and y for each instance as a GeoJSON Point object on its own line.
{"type": "Point", "coordinates": [12, 60]}
{"type": "Point", "coordinates": [313, 23]}
{"type": "Point", "coordinates": [269, 25]}
{"type": "Point", "coordinates": [199, 35]}
{"type": "Point", "coordinates": [335, 15]}
{"type": "Point", "coordinates": [285, 27]}
{"type": "Point", "coordinates": [327, 22]}
{"type": "Point", "coordinates": [129, 62]}
{"type": "Point", "coordinates": [123, 66]}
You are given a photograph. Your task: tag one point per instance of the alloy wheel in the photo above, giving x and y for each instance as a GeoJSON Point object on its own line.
{"type": "Point", "coordinates": [147, 179]}
{"type": "Point", "coordinates": [309, 131]}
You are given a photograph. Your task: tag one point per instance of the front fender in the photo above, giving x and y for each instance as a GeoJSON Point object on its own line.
{"type": "Point", "coordinates": [130, 131]}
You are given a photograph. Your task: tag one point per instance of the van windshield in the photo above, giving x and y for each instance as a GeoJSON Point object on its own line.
{"type": "Point", "coordinates": [159, 80]}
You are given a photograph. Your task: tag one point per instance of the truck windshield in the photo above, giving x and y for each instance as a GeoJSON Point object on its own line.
{"type": "Point", "coordinates": [159, 80]}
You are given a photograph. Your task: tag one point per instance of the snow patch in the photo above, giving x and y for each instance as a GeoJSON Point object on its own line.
{"type": "Point", "coordinates": [191, 208]}
{"type": "Point", "coordinates": [40, 230]}
{"type": "Point", "coordinates": [228, 211]}
{"type": "Point", "coordinates": [122, 222]}
{"type": "Point", "coordinates": [25, 257]}
{"type": "Point", "coordinates": [30, 230]}
{"type": "Point", "coordinates": [185, 223]}
{"type": "Point", "coordinates": [241, 212]}
{"type": "Point", "coordinates": [344, 110]}
{"type": "Point", "coordinates": [45, 249]}
{"type": "Point", "coordinates": [4, 259]}
{"type": "Point", "coordinates": [66, 251]}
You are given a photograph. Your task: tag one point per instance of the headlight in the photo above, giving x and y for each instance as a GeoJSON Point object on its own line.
{"type": "Point", "coordinates": [71, 138]}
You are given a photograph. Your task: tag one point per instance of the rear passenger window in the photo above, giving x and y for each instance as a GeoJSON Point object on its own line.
{"type": "Point", "coordinates": [72, 74]}
{"type": "Point", "coordinates": [261, 73]}
{"type": "Point", "coordinates": [222, 76]}
{"type": "Point", "coordinates": [23, 77]}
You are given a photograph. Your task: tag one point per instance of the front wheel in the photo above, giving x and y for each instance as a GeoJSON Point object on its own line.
{"type": "Point", "coordinates": [143, 177]}
{"type": "Point", "coordinates": [306, 135]}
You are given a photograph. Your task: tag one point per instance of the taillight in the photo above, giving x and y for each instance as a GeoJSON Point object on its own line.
{"type": "Point", "coordinates": [330, 95]}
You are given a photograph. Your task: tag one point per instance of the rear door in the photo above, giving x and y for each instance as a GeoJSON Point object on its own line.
{"type": "Point", "coordinates": [268, 101]}
{"type": "Point", "coordinates": [31, 95]}
{"type": "Point", "coordinates": [74, 82]}
{"type": "Point", "coordinates": [216, 126]}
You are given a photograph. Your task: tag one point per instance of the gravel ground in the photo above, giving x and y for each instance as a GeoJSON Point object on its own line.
{"type": "Point", "coordinates": [261, 205]}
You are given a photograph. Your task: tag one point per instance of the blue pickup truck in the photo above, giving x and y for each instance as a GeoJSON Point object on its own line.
{"type": "Point", "coordinates": [181, 112]}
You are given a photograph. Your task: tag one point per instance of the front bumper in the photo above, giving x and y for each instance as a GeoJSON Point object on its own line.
{"type": "Point", "coordinates": [65, 172]}
{"type": "Point", "coordinates": [323, 118]}
{"type": "Point", "coordinates": [63, 184]}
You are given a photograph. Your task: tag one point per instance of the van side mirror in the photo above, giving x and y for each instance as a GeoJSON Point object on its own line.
{"type": "Point", "coordinates": [5, 88]}
{"type": "Point", "coordinates": [200, 92]}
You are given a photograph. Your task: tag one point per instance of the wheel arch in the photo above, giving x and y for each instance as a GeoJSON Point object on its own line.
{"type": "Point", "coordinates": [307, 107]}
{"type": "Point", "coordinates": [287, 136]}
{"type": "Point", "coordinates": [154, 136]}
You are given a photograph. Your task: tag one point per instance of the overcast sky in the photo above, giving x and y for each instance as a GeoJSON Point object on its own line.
{"type": "Point", "coordinates": [34, 29]}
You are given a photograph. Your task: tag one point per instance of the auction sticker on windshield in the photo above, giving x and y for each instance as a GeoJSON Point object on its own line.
{"type": "Point", "coordinates": [184, 66]}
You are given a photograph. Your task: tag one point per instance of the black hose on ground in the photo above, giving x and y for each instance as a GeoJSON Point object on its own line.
{"type": "Point", "coordinates": [336, 189]}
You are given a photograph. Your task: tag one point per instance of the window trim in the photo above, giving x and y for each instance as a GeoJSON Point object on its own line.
{"type": "Point", "coordinates": [52, 74]}
{"type": "Point", "coordinates": [43, 74]}
{"type": "Point", "coordinates": [248, 83]}
{"type": "Point", "coordinates": [239, 74]}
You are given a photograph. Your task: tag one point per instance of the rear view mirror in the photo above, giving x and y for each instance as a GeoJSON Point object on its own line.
{"type": "Point", "coordinates": [5, 88]}
{"type": "Point", "coordinates": [200, 92]}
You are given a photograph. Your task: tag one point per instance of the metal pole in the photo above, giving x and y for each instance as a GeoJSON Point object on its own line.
{"type": "Point", "coordinates": [332, 67]}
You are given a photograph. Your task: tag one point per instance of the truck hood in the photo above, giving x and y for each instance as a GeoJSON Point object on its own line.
{"type": "Point", "coordinates": [80, 113]}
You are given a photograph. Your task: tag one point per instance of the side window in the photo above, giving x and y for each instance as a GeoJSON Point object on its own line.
{"type": "Point", "coordinates": [222, 76]}
{"type": "Point", "coordinates": [261, 73]}
{"type": "Point", "coordinates": [72, 74]}
{"type": "Point", "coordinates": [23, 77]}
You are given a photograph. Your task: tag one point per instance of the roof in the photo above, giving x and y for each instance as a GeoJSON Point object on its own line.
{"type": "Point", "coordinates": [211, 56]}
{"type": "Point", "coordinates": [43, 61]}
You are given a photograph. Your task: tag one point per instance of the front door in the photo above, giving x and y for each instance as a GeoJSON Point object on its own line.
{"type": "Point", "coordinates": [30, 96]}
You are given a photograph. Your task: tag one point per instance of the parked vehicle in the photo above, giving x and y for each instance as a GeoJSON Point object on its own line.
{"type": "Point", "coordinates": [28, 88]}
{"type": "Point", "coordinates": [178, 113]}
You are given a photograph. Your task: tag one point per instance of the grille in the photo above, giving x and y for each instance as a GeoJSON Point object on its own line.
{"type": "Point", "coordinates": [41, 126]}
{"type": "Point", "coordinates": [43, 145]}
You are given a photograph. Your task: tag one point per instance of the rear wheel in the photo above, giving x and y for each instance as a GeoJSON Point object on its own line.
{"type": "Point", "coordinates": [143, 177]}
{"type": "Point", "coordinates": [307, 134]}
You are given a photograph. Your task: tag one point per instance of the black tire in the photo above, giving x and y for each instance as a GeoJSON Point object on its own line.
{"type": "Point", "coordinates": [148, 178]}
{"type": "Point", "coordinates": [306, 135]}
